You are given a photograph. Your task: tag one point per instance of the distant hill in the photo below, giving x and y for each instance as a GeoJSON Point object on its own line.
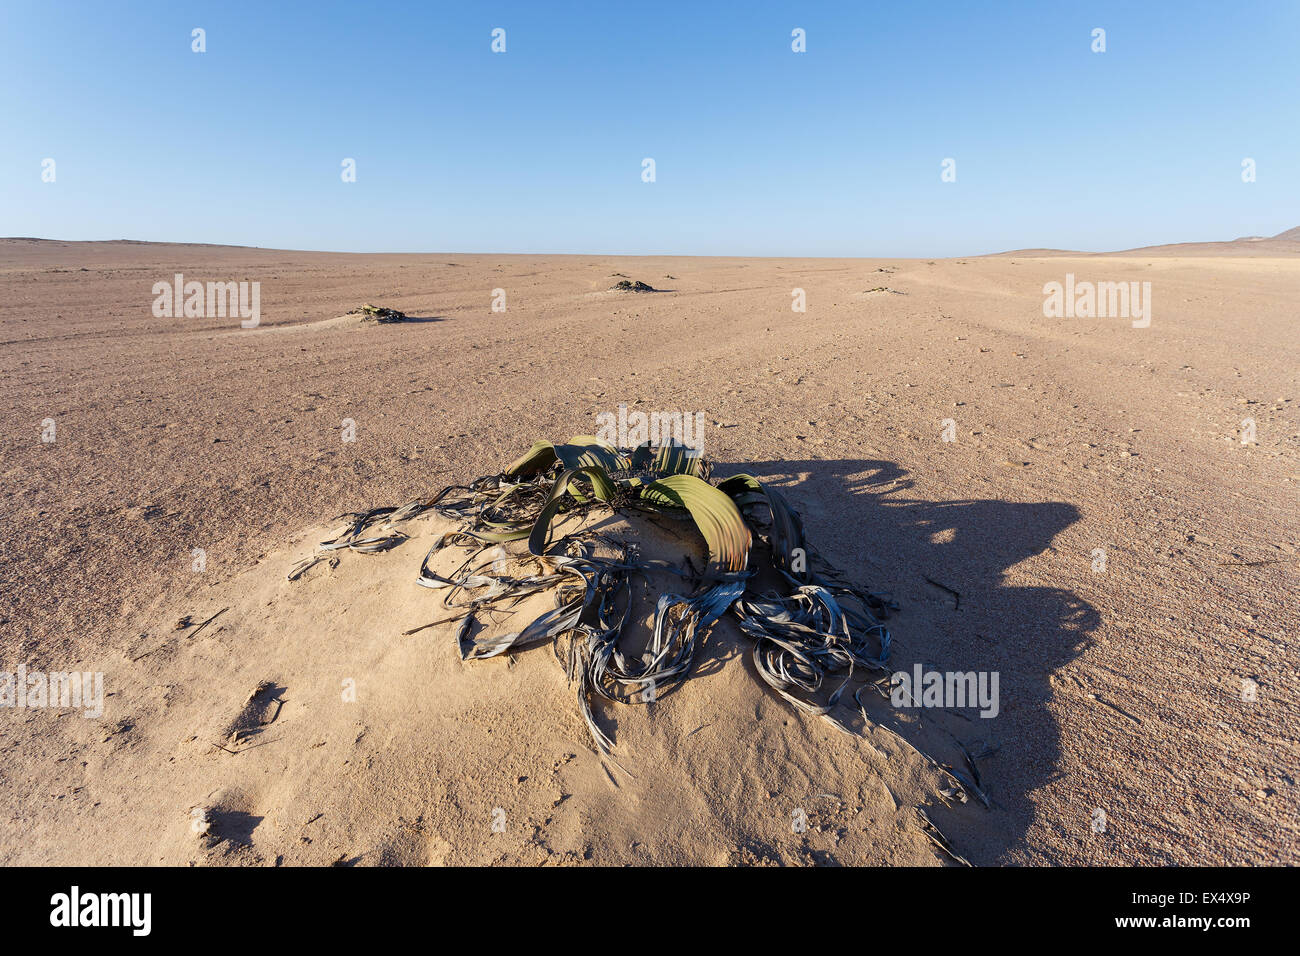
{"type": "Point", "coordinates": [1283, 244]}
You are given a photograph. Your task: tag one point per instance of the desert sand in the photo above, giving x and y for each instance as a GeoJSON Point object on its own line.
{"type": "Point", "coordinates": [1098, 533]}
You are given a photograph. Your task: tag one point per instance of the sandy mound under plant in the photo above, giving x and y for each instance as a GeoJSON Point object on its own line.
{"type": "Point", "coordinates": [350, 715]}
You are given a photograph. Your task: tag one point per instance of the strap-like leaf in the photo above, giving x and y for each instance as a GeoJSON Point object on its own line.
{"type": "Point", "coordinates": [787, 527]}
{"type": "Point", "coordinates": [715, 515]}
{"type": "Point", "coordinates": [581, 451]}
{"type": "Point", "coordinates": [585, 451]}
{"type": "Point", "coordinates": [536, 460]}
{"type": "Point", "coordinates": [674, 459]}
{"type": "Point", "coordinates": [540, 537]}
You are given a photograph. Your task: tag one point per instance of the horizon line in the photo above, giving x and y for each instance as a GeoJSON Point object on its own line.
{"type": "Point", "coordinates": [1023, 250]}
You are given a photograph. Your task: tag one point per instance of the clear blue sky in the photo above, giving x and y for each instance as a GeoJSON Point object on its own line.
{"type": "Point", "coordinates": [759, 151]}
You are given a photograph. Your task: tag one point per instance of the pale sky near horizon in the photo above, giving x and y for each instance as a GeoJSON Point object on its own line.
{"type": "Point", "coordinates": [758, 150]}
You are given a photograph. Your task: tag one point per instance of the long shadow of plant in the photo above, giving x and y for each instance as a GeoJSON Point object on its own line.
{"type": "Point", "coordinates": [945, 562]}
